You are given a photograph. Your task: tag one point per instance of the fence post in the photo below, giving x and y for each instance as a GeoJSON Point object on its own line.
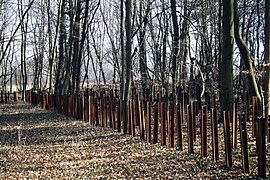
{"type": "Point", "coordinates": [171, 120]}
{"type": "Point", "coordinates": [113, 101]}
{"type": "Point", "coordinates": [119, 117]}
{"type": "Point", "coordinates": [97, 115]}
{"type": "Point", "coordinates": [2, 96]}
{"type": "Point", "coordinates": [91, 108]}
{"type": "Point", "coordinates": [234, 124]}
{"type": "Point", "coordinates": [133, 133]}
{"type": "Point", "coordinates": [194, 108]}
{"type": "Point", "coordinates": [6, 97]}
{"type": "Point", "coordinates": [244, 145]}
{"type": "Point", "coordinates": [15, 96]}
{"type": "Point", "coordinates": [87, 105]}
{"type": "Point", "coordinates": [130, 116]}
{"type": "Point", "coordinates": [163, 124]}
{"type": "Point", "coordinates": [105, 109]}
{"type": "Point", "coordinates": [189, 131]}
{"type": "Point", "coordinates": [214, 134]}
{"type": "Point", "coordinates": [204, 132]}
{"type": "Point", "coordinates": [148, 124]}
{"type": "Point", "coordinates": [228, 150]}
{"type": "Point", "coordinates": [261, 148]}
{"type": "Point", "coordinates": [141, 115]}
{"type": "Point", "coordinates": [156, 115]}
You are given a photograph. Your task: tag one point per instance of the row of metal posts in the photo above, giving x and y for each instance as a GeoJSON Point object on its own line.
{"type": "Point", "coordinates": [157, 113]}
{"type": "Point", "coordinates": [6, 96]}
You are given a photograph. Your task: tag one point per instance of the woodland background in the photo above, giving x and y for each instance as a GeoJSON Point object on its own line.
{"type": "Point", "coordinates": [65, 46]}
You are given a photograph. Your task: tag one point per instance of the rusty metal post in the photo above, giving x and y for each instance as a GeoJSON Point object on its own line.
{"type": "Point", "coordinates": [148, 121]}
{"type": "Point", "coordinates": [171, 121]}
{"type": "Point", "coordinates": [96, 102]}
{"type": "Point", "coordinates": [193, 118]}
{"type": "Point", "coordinates": [133, 128]}
{"type": "Point", "coordinates": [113, 100]}
{"type": "Point", "coordinates": [244, 144]}
{"type": "Point", "coordinates": [254, 115]}
{"type": "Point", "coordinates": [189, 131]}
{"type": "Point", "coordinates": [214, 131]}
{"type": "Point", "coordinates": [129, 126]}
{"type": "Point", "coordinates": [163, 124]}
{"type": "Point", "coordinates": [105, 119]}
{"type": "Point", "coordinates": [234, 124]}
{"type": "Point", "coordinates": [261, 148]}
{"type": "Point", "coordinates": [204, 132]}
{"type": "Point", "coordinates": [142, 120]}
{"type": "Point", "coordinates": [156, 115]}
{"type": "Point", "coordinates": [228, 149]}
{"type": "Point", "coordinates": [119, 114]}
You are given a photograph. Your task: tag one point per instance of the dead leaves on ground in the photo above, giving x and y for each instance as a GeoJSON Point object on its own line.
{"type": "Point", "coordinates": [38, 144]}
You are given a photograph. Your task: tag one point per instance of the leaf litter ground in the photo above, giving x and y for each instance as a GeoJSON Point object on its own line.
{"type": "Point", "coordinates": [38, 144]}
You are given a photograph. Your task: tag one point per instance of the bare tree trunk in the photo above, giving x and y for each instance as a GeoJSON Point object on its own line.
{"type": "Point", "coordinates": [52, 44]}
{"type": "Point", "coordinates": [123, 67]}
{"type": "Point", "coordinates": [253, 88]}
{"type": "Point", "coordinates": [164, 79]}
{"type": "Point", "coordinates": [61, 56]}
{"type": "Point", "coordinates": [142, 50]}
{"type": "Point", "coordinates": [128, 65]}
{"type": "Point", "coordinates": [175, 43]}
{"type": "Point", "coordinates": [23, 48]}
{"type": "Point", "coordinates": [227, 57]}
{"type": "Point", "coordinates": [267, 60]}
{"type": "Point", "coordinates": [76, 49]}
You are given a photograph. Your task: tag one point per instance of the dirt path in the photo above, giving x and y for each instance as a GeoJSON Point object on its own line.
{"type": "Point", "coordinates": [37, 144]}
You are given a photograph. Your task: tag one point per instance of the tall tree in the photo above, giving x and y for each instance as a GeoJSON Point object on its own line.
{"type": "Point", "coordinates": [24, 31]}
{"type": "Point", "coordinates": [128, 62]}
{"type": "Point", "coordinates": [61, 45]}
{"type": "Point", "coordinates": [226, 84]}
{"type": "Point", "coordinates": [175, 42]}
{"type": "Point", "coordinates": [243, 48]}
{"type": "Point", "coordinates": [76, 49]}
{"type": "Point", "coordinates": [267, 60]}
{"type": "Point", "coordinates": [122, 78]}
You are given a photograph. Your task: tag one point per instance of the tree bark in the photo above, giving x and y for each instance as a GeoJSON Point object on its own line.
{"type": "Point", "coordinates": [76, 49]}
{"type": "Point", "coordinates": [175, 43]}
{"type": "Point", "coordinates": [253, 88]}
{"type": "Point", "coordinates": [122, 78]}
{"type": "Point", "coordinates": [61, 56]}
{"type": "Point", "coordinates": [227, 56]}
{"type": "Point", "coordinates": [267, 60]}
{"type": "Point", "coordinates": [128, 65]}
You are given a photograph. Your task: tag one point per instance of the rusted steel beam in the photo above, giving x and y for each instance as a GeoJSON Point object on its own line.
{"type": "Point", "coordinates": [228, 149]}
{"type": "Point", "coordinates": [163, 123]}
{"type": "Point", "coordinates": [261, 148]}
{"type": "Point", "coordinates": [204, 132]}
{"type": "Point", "coordinates": [171, 121]}
{"type": "Point", "coordinates": [234, 124]}
{"type": "Point", "coordinates": [214, 131]}
{"type": "Point", "coordinates": [142, 120]}
{"type": "Point", "coordinates": [189, 131]}
{"type": "Point", "coordinates": [148, 121]}
{"type": "Point", "coordinates": [244, 144]}
{"type": "Point", "coordinates": [156, 118]}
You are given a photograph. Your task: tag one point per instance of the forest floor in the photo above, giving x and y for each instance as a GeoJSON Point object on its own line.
{"type": "Point", "coordinates": [38, 144]}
